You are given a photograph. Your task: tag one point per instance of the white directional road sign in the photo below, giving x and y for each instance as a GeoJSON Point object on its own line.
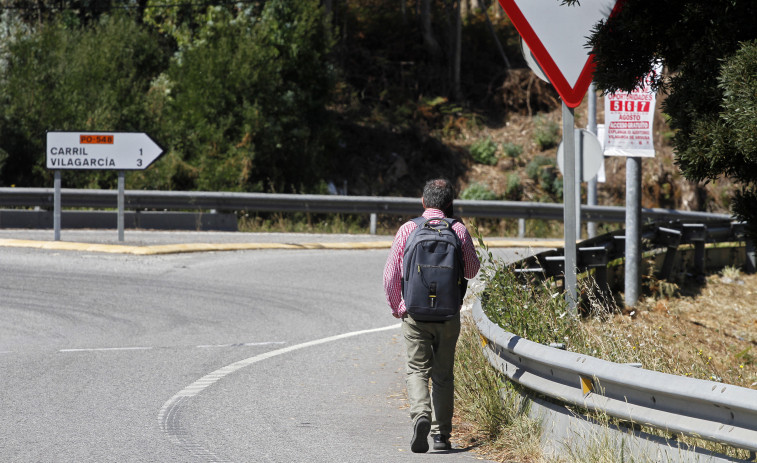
{"type": "Point", "coordinates": [100, 150]}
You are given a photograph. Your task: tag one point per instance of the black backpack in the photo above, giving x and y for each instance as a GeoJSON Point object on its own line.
{"type": "Point", "coordinates": [433, 283]}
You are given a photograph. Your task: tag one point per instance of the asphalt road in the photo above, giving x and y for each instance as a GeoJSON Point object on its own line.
{"type": "Point", "coordinates": [245, 356]}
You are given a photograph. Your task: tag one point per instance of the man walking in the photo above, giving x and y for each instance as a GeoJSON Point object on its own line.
{"type": "Point", "coordinates": [430, 343]}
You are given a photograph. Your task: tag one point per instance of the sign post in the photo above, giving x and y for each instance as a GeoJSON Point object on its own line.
{"type": "Point", "coordinates": [588, 160]}
{"type": "Point", "coordinates": [120, 224]}
{"type": "Point", "coordinates": [591, 188]}
{"type": "Point", "coordinates": [119, 151]}
{"type": "Point", "coordinates": [556, 36]}
{"type": "Point", "coordinates": [570, 208]}
{"type": "Point", "coordinates": [56, 205]}
{"type": "Point", "coordinates": [629, 121]}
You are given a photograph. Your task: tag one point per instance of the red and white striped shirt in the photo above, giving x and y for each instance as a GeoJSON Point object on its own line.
{"type": "Point", "coordinates": [393, 268]}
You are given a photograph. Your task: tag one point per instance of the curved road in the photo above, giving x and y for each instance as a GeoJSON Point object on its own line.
{"type": "Point", "coordinates": [253, 356]}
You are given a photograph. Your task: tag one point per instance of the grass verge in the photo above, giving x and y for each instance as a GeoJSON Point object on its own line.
{"type": "Point", "coordinates": [496, 423]}
{"type": "Point", "coordinates": [663, 334]}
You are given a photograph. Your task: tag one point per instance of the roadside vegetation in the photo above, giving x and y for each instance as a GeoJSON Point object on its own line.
{"type": "Point", "coordinates": [698, 330]}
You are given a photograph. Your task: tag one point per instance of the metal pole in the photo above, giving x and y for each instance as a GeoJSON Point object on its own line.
{"type": "Point", "coordinates": [591, 189]}
{"type": "Point", "coordinates": [121, 175]}
{"type": "Point", "coordinates": [56, 205]}
{"type": "Point", "coordinates": [591, 200]}
{"type": "Point", "coordinates": [569, 200]}
{"type": "Point", "coordinates": [521, 227]}
{"type": "Point", "coordinates": [579, 140]}
{"type": "Point", "coordinates": [373, 223]}
{"type": "Point", "coordinates": [633, 231]}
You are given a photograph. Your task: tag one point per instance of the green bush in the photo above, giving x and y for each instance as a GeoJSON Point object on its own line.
{"type": "Point", "coordinates": [546, 133]}
{"type": "Point", "coordinates": [512, 150]}
{"type": "Point", "coordinates": [542, 169]}
{"type": "Point", "coordinates": [247, 102]}
{"type": "Point", "coordinates": [484, 151]}
{"type": "Point", "coordinates": [477, 191]}
{"type": "Point", "coordinates": [536, 166]}
{"type": "Point", "coordinates": [514, 188]}
{"type": "Point", "coordinates": [58, 78]}
{"type": "Point", "coordinates": [536, 312]}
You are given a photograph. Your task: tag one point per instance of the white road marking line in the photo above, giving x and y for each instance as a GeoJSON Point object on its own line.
{"type": "Point", "coordinates": [168, 416]}
{"type": "Point", "coordinates": [102, 349]}
{"type": "Point", "coordinates": [204, 346]}
{"type": "Point", "coordinates": [228, 369]}
{"type": "Point", "coordinates": [245, 344]}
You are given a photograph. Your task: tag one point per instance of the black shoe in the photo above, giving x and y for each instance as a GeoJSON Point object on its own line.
{"type": "Point", "coordinates": [441, 442]}
{"type": "Point", "coordinates": [422, 427]}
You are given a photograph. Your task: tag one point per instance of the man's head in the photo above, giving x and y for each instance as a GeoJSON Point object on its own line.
{"type": "Point", "coordinates": [438, 194]}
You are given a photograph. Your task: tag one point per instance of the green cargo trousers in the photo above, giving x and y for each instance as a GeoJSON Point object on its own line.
{"type": "Point", "coordinates": [431, 354]}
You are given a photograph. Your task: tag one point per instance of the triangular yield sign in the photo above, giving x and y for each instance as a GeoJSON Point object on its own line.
{"type": "Point", "coordinates": [557, 35]}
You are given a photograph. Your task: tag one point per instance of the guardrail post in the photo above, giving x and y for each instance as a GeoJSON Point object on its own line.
{"type": "Point", "coordinates": [671, 239]}
{"type": "Point", "coordinates": [521, 227]}
{"type": "Point", "coordinates": [373, 223]}
{"type": "Point", "coordinates": [751, 261]}
{"type": "Point", "coordinates": [696, 233]}
{"type": "Point", "coordinates": [554, 266]}
{"type": "Point", "coordinates": [596, 257]}
{"type": "Point", "coordinates": [738, 232]}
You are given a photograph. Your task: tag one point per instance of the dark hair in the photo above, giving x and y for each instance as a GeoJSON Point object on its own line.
{"type": "Point", "coordinates": [438, 194]}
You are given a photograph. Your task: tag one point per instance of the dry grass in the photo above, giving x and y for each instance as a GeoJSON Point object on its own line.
{"type": "Point", "coordinates": [497, 426]}
{"type": "Point", "coordinates": [706, 331]}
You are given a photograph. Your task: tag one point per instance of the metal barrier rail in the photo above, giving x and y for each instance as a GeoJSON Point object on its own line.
{"type": "Point", "coordinates": [711, 410]}
{"type": "Point", "coordinates": [269, 202]}
{"type": "Point", "coordinates": [596, 253]}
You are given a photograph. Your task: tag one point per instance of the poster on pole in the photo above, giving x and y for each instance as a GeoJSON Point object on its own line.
{"type": "Point", "coordinates": [629, 121]}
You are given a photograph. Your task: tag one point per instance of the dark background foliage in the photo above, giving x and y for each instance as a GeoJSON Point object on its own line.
{"type": "Point", "coordinates": [371, 96]}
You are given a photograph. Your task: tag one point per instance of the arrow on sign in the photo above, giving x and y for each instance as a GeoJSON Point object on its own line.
{"type": "Point", "coordinates": [557, 36]}
{"type": "Point", "coordinates": [101, 150]}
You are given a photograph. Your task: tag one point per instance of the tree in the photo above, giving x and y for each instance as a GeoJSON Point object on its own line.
{"type": "Point", "coordinates": [709, 51]}
{"type": "Point", "coordinates": [246, 101]}
{"type": "Point", "coordinates": [69, 12]}
{"type": "Point", "coordinates": [73, 78]}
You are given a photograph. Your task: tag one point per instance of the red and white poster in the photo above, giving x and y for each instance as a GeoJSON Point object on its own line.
{"type": "Point", "coordinates": [629, 119]}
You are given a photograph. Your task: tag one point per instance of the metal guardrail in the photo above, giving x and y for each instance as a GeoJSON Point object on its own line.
{"type": "Point", "coordinates": [596, 253]}
{"type": "Point", "coordinates": [710, 410]}
{"type": "Point", "coordinates": [269, 202]}
{"type": "Point", "coordinates": [707, 409]}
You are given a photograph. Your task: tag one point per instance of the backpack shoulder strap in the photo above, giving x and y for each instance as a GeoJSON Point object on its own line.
{"type": "Point", "coordinates": [419, 221]}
